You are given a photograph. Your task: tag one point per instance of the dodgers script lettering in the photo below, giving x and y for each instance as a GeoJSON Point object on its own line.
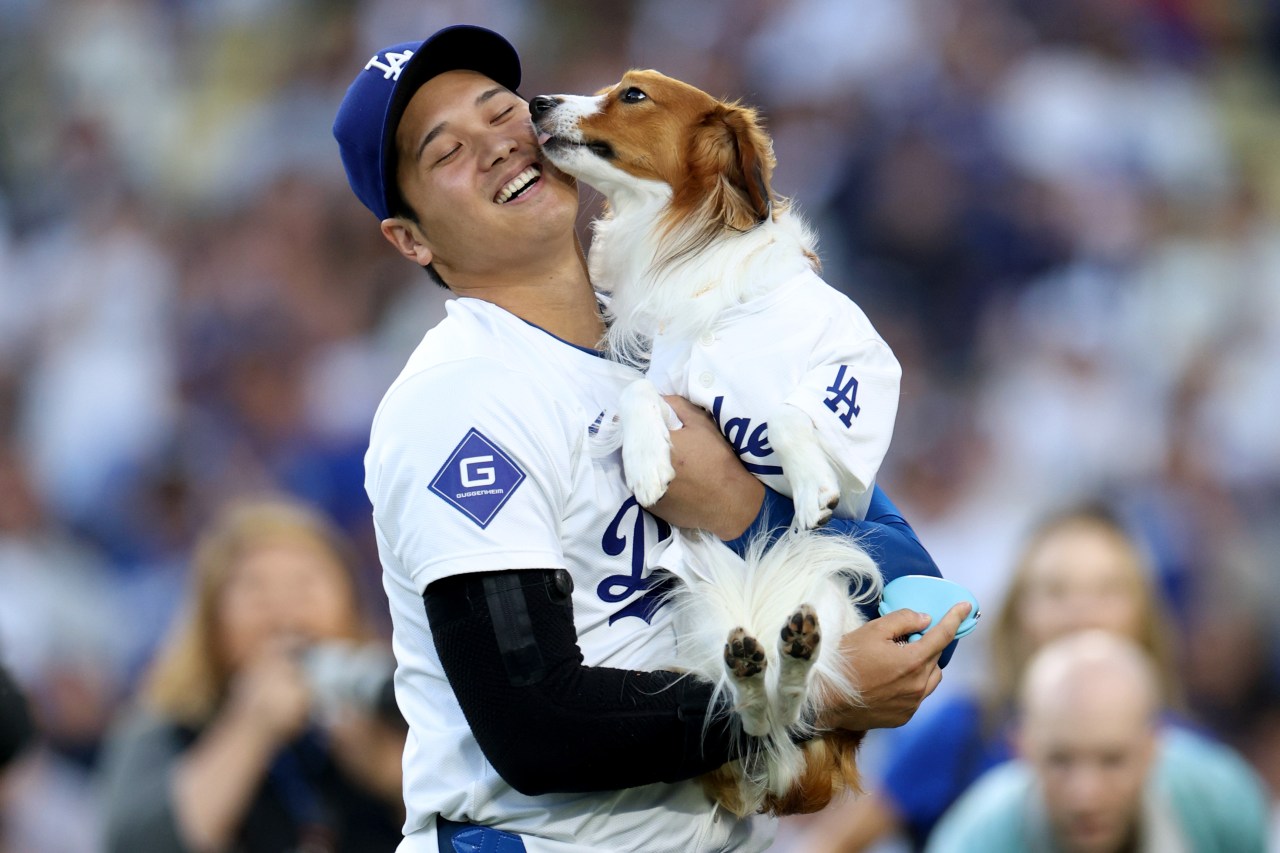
{"type": "Point", "coordinates": [745, 440]}
{"type": "Point", "coordinates": [617, 588]}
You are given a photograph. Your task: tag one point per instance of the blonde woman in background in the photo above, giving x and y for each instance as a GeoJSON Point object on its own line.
{"type": "Point", "coordinates": [1078, 569]}
{"type": "Point", "coordinates": [239, 741]}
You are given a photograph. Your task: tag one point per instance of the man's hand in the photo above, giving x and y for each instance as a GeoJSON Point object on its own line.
{"type": "Point", "coordinates": [712, 490]}
{"type": "Point", "coordinates": [894, 676]}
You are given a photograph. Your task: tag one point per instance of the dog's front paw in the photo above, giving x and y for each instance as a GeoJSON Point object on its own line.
{"type": "Point", "coordinates": [815, 487]}
{"type": "Point", "coordinates": [647, 466]}
{"type": "Point", "coordinates": [647, 421]}
{"type": "Point", "coordinates": [815, 500]}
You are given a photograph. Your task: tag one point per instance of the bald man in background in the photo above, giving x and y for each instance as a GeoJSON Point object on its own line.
{"type": "Point", "coordinates": [1099, 773]}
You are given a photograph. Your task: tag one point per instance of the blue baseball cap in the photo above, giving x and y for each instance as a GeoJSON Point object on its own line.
{"type": "Point", "coordinates": [370, 113]}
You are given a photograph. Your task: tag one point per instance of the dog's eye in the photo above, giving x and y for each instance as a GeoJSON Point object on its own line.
{"type": "Point", "coordinates": [633, 96]}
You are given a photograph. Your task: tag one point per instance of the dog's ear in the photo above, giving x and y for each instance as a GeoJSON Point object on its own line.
{"type": "Point", "coordinates": [732, 148]}
{"type": "Point", "coordinates": [754, 159]}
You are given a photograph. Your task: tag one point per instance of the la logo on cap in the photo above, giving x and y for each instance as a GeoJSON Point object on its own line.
{"type": "Point", "coordinates": [395, 61]}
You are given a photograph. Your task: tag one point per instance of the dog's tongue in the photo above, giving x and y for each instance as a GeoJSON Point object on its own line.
{"type": "Point", "coordinates": [543, 136]}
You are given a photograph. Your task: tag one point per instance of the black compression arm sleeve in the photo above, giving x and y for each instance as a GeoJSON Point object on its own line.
{"type": "Point", "coordinates": [547, 723]}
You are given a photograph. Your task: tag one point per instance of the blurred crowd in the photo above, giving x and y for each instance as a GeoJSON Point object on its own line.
{"type": "Point", "coordinates": [1063, 217]}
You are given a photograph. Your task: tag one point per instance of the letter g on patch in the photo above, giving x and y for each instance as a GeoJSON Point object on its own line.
{"type": "Point", "coordinates": [473, 476]}
{"type": "Point", "coordinates": [478, 478]}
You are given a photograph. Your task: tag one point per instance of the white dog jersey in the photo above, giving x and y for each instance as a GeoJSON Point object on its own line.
{"type": "Point", "coordinates": [805, 344]}
{"type": "Point", "coordinates": [489, 453]}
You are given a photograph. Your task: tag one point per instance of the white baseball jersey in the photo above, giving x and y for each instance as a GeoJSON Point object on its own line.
{"type": "Point", "coordinates": [486, 454]}
{"type": "Point", "coordinates": [805, 344]}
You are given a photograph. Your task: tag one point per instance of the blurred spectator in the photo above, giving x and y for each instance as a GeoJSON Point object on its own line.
{"type": "Point", "coordinates": [16, 734]}
{"type": "Point", "coordinates": [65, 639]}
{"type": "Point", "coordinates": [103, 353]}
{"type": "Point", "coordinates": [1097, 773]}
{"type": "Point", "coordinates": [244, 735]}
{"type": "Point", "coordinates": [16, 729]}
{"type": "Point", "coordinates": [1078, 569]}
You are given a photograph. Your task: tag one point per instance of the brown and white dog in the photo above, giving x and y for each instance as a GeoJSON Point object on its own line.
{"type": "Point", "coordinates": [699, 256]}
{"type": "Point", "coordinates": [692, 241]}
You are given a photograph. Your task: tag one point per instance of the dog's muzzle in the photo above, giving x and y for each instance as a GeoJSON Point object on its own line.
{"type": "Point", "coordinates": [541, 105]}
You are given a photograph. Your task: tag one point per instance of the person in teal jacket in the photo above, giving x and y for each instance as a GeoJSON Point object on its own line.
{"type": "Point", "coordinates": [1099, 773]}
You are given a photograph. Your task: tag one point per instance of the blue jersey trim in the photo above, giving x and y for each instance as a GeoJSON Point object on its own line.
{"type": "Point", "coordinates": [588, 350]}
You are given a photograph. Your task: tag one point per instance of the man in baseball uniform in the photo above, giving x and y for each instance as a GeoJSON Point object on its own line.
{"type": "Point", "coordinates": [527, 616]}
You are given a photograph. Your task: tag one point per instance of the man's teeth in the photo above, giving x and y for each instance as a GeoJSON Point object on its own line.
{"type": "Point", "coordinates": [518, 184]}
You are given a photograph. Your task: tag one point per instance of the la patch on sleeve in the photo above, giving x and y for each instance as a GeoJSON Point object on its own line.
{"type": "Point", "coordinates": [478, 478]}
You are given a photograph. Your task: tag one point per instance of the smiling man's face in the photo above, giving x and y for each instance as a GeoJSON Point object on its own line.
{"type": "Point", "coordinates": [470, 168]}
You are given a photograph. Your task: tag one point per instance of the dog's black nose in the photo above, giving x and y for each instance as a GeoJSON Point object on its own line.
{"type": "Point", "coordinates": [542, 104]}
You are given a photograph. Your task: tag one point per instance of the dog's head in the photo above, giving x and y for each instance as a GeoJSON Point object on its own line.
{"type": "Point", "coordinates": [652, 136]}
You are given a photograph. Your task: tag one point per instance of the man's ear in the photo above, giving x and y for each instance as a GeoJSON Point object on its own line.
{"type": "Point", "coordinates": [407, 239]}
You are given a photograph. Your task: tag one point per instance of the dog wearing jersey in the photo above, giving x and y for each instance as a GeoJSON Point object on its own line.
{"type": "Point", "coordinates": [714, 290]}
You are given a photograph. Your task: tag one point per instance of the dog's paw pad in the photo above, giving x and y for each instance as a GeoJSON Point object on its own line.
{"type": "Point", "coordinates": [828, 500]}
{"type": "Point", "coordinates": [743, 654]}
{"type": "Point", "coordinates": [800, 636]}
